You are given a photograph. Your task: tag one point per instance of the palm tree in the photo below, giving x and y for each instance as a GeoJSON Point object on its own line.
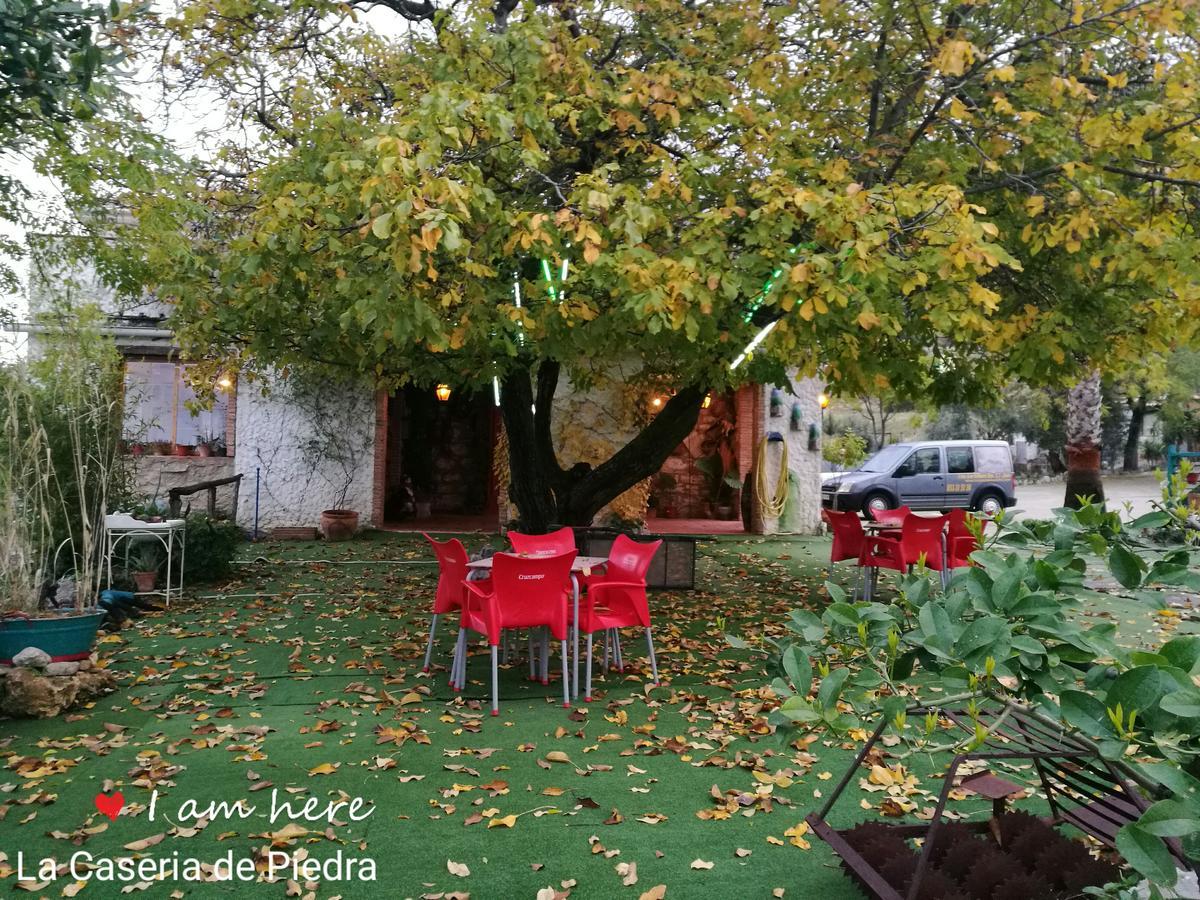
{"type": "Point", "coordinates": [1083, 442]}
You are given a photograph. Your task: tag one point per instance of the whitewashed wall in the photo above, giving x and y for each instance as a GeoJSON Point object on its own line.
{"type": "Point", "coordinates": [804, 465]}
{"type": "Point", "coordinates": [280, 439]}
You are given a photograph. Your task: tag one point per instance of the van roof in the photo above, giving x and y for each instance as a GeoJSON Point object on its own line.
{"type": "Point", "coordinates": [959, 443]}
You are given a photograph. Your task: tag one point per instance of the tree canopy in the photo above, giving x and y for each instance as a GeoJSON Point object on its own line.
{"type": "Point", "coordinates": [927, 196]}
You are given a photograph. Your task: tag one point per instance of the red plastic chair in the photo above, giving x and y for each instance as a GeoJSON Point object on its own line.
{"type": "Point", "coordinates": [920, 538]}
{"type": "Point", "coordinates": [891, 516]}
{"type": "Point", "coordinates": [561, 541]}
{"type": "Point", "coordinates": [617, 599]}
{"type": "Point", "coordinates": [628, 561]}
{"type": "Point", "coordinates": [848, 534]}
{"type": "Point", "coordinates": [452, 573]}
{"type": "Point", "coordinates": [849, 538]}
{"type": "Point", "coordinates": [960, 539]}
{"type": "Point", "coordinates": [524, 593]}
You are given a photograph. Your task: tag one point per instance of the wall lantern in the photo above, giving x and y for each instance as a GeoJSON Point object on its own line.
{"type": "Point", "coordinates": [707, 401]}
{"type": "Point", "coordinates": [656, 402]}
{"type": "Point", "coordinates": [443, 392]}
{"type": "Point", "coordinates": [823, 399]}
{"type": "Point", "coordinates": [225, 382]}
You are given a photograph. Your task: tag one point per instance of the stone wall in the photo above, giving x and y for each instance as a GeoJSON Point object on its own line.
{"type": "Point", "coordinates": [804, 465]}
{"type": "Point", "coordinates": [304, 444]}
{"type": "Point", "coordinates": [155, 475]}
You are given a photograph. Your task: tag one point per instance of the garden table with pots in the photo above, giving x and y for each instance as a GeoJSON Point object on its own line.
{"type": "Point", "coordinates": [583, 565]}
{"type": "Point", "coordinates": [122, 527]}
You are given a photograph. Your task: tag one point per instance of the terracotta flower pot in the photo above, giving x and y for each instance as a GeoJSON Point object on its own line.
{"type": "Point", "coordinates": [203, 450]}
{"type": "Point", "coordinates": [144, 581]}
{"type": "Point", "coordinates": [182, 450]}
{"type": "Point", "coordinates": [339, 524]}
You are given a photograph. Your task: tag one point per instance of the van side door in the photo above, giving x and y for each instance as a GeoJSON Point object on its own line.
{"type": "Point", "coordinates": [920, 479]}
{"type": "Point", "coordinates": [960, 480]}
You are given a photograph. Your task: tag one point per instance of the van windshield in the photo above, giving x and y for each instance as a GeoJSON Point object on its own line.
{"type": "Point", "coordinates": [886, 459]}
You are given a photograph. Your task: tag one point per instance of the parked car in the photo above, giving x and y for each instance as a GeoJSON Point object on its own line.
{"type": "Point", "coordinates": [928, 475]}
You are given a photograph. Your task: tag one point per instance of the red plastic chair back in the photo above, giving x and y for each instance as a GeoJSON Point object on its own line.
{"type": "Point", "coordinates": [960, 540]}
{"type": "Point", "coordinates": [923, 535]}
{"type": "Point", "coordinates": [561, 541]}
{"type": "Point", "coordinates": [848, 534]}
{"type": "Point", "coordinates": [452, 572]}
{"type": "Point", "coordinates": [891, 516]}
{"type": "Point", "coordinates": [531, 591]}
{"type": "Point", "coordinates": [629, 560]}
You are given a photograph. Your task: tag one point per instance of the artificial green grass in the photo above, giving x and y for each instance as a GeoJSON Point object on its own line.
{"type": "Point", "coordinates": [307, 675]}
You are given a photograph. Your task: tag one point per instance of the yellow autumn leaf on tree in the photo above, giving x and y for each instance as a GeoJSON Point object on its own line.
{"type": "Point", "coordinates": [954, 57]}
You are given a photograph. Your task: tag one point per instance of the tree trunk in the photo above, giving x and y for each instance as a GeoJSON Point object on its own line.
{"type": "Point", "coordinates": [1137, 423]}
{"type": "Point", "coordinates": [547, 495]}
{"type": "Point", "coordinates": [1083, 443]}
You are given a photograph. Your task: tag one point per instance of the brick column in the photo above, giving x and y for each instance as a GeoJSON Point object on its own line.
{"type": "Point", "coordinates": [379, 470]}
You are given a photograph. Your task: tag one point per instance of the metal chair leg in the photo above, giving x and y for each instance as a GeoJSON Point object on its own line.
{"type": "Point", "coordinates": [545, 655]}
{"type": "Point", "coordinates": [617, 657]}
{"type": "Point", "coordinates": [607, 642]}
{"type": "Point", "coordinates": [587, 696]}
{"type": "Point", "coordinates": [566, 678]}
{"type": "Point", "coordinates": [653, 661]}
{"type": "Point", "coordinates": [459, 663]}
{"type": "Point", "coordinates": [495, 681]}
{"type": "Point", "coordinates": [429, 646]}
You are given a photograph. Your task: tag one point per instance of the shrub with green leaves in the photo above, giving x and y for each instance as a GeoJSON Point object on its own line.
{"type": "Point", "coordinates": [1001, 630]}
{"type": "Point", "coordinates": [210, 545]}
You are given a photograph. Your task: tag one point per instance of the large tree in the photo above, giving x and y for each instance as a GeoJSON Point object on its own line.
{"type": "Point", "coordinates": [917, 196]}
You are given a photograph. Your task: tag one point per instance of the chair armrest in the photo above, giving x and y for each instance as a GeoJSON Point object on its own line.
{"type": "Point", "coordinates": [473, 587]}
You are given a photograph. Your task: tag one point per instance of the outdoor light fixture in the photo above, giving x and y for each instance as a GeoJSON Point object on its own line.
{"type": "Point", "coordinates": [657, 402]}
{"type": "Point", "coordinates": [224, 382]}
{"type": "Point", "coordinates": [443, 392]}
{"type": "Point", "coordinates": [823, 399]}
{"type": "Point", "coordinates": [758, 339]}
{"type": "Point", "coordinates": [496, 389]}
{"type": "Point", "coordinates": [707, 401]}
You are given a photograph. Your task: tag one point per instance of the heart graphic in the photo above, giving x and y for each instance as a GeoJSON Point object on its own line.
{"type": "Point", "coordinates": [110, 804]}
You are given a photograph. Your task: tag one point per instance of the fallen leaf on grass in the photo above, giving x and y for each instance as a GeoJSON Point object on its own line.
{"type": "Point", "coordinates": [655, 893]}
{"type": "Point", "coordinates": [701, 864]}
{"type": "Point", "coordinates": [796, 833]}
{"type": "Point", "coordinates": [742, 852]}
{"type": "Point", "coordinates": [324, 769]}
{"type": "Point", "coordinates": [145, 843]}
{"type": "Point", "coordinates": [502, 822]}
{"type": "Point", "coordinates": [457, 868]}
{"type": "Point", "coordinates": [628, 873]}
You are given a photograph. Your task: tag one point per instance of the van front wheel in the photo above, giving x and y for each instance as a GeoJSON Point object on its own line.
{"type": "Point", "coordinates": [877, 502]}
{"type": "Point", "coordinates": [990, 504]}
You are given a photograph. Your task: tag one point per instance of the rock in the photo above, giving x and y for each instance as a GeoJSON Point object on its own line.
{"type": "Point", "coordinates": [32, 657]}
{"type": "Point", "coordinates": [29, 694]}
{"type": "Point", "coordinates": [85, 664]}
{"type": "Point", "coordinates": [4, 670]}
{"type": "Point", "coordinates": [61, 668]}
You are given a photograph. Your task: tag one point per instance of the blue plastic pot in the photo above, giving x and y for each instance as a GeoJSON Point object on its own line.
{"type": "Point", "coordinates": [64, 638]}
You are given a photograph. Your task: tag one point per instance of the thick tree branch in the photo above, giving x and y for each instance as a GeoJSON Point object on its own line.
{"type": "Point", "coordinates": [640, 458]}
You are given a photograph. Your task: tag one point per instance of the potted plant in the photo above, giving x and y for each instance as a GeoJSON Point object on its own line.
{"type": "Point", "coordinates": [181, 450]}
{"type": "Point", "coordinates": [146, 560]}
{"type": "Point", "coordinates": [60, 457]}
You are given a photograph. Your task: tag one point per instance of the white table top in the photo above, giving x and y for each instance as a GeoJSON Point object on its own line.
{"type": "Point", "coordinates": [581, 562]}
{"type": "Point", "coordinates": [126, 522]}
